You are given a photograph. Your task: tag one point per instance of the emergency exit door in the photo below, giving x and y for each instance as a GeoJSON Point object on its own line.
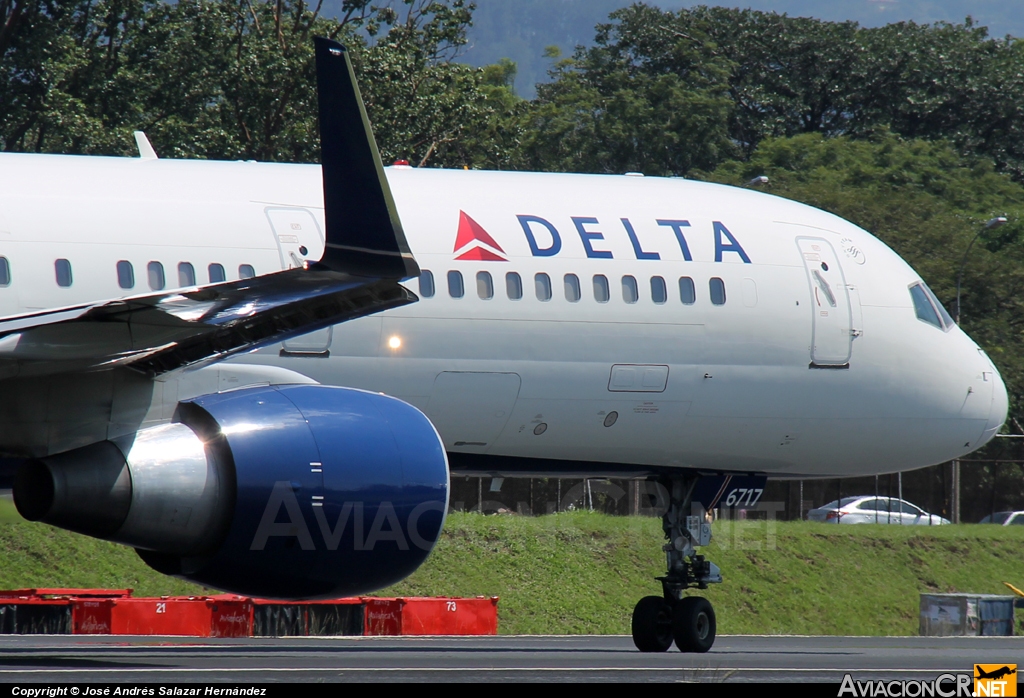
{"type": "Point", "coordinates": [297, 234]}
{"type": "Point", "coordinates": [832, 318]}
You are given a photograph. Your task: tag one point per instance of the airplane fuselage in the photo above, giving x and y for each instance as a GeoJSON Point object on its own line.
{"type": "Point", "coordinates": [631, 320]}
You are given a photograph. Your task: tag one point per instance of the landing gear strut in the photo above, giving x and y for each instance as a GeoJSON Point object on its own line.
{"type": "Point", "coordinates": [689, 621]}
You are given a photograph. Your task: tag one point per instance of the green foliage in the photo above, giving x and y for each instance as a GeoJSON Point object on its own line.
{"type": "Point", "coordinates": [39, 556]}
{"type": "Point", "coordinates": [233, 79]}
{"type": "Point", "coordinates": [523, 28]}
{"type": "Point", "coordinates": [425, 108]}
{"type": "Point", "coordinates": [741, 76]}
{"type": "Point", "coordinates": [608, 111]}
{"type": "Point", "coordinates": [581, 572]}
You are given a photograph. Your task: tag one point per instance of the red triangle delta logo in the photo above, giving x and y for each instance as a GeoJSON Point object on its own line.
{"type": "Point", "coordinates": [474, 243]}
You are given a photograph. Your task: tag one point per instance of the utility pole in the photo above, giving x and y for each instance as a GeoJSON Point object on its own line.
{"type": "Point", "coordinates": [954, 503]}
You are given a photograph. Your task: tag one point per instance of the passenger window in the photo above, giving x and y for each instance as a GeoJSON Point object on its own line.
{"type": "Point", "coordinates": [513, 286]}
{"type": "Point", "coordinates": [630, 294]}
{"type": "Point", "coordinates": [246, 271]}
{"type": "Point", "coordinates": [216, 273]}
{"type": "Point", "coordinates": [572, 288]}
{"type": "Point", "coordinates": [659, 292]}
{"type": "Point", "coordinates": [63, 269]}
{"type": "Point", "coordinates": [543, 283]}
{"type": "Point", "coordinates": [455, 287]}
{"type": "Point", "coordinates": [125, 274]}
{"type": "Point", "coordinates": [156, 276]}
{"type": "Point", "coordinates": [601, 291]}
{"type": "Point", "coordinates": [5, 272]}
{"type": "Point", "coordinates": [426, 284]}
{"type": "Point", "coordinates": [923, 306]}
{"type": "Point", "coordinates": [484, 285]}
{"type": "Point", "coordinates": [717, 287]}
{"type": "Point", "coordinates": [186, 274]}
{"type": "Point", "coordinates": [687, 293]}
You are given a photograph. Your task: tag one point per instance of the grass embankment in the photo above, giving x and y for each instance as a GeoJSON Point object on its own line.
{"type": "Point", "coordinates": [582, 572]}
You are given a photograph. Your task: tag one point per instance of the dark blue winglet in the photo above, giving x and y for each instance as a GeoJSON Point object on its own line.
{"type": "Point", "coordinates": [364, 233]}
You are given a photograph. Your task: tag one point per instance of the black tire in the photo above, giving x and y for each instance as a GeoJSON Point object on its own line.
{"type": "Point", "coordinates": [693, 624]}
{"type": "Point", "coordinates": [652, 624]}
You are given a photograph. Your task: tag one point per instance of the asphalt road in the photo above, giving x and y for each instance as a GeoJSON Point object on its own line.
{"type": "Point", "coordinates": [37, 659]}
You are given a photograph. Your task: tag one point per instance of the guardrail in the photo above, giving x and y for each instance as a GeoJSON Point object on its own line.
{"type": "Point", "coordinates": [117, 612]}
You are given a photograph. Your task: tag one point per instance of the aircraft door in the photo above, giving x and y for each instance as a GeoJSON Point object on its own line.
{"type": "Point", "coordinates": [470, 409]}
{"type": "Point", "coordinates": [297, 234]}
{"type": "Point", "coordinates": [832, 321]}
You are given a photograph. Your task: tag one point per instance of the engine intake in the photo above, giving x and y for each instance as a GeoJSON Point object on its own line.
{"type": "Point", "coordinates": [296, 491]}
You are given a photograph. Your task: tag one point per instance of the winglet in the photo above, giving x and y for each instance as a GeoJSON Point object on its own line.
{"type": "Point", "coordinates": [363, 231]}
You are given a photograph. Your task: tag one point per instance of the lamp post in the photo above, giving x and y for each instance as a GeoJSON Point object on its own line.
{"type": "Point", "coordinates": [992, 223]}
{"type": "Point", "coordinates": [955, 484]}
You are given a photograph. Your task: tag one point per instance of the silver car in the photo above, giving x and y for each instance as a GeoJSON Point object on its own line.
{"type": "Point", "coordinates": [871, 509]}
{"type": "Point", "coordinates": [1005, 518]}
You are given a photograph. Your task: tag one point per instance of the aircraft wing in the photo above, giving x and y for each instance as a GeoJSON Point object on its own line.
{"type": "Point", "coordinates": [365, 257]}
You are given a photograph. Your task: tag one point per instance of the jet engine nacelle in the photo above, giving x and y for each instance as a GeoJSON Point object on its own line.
{"type": "Point", "coordinates": [292, 491]}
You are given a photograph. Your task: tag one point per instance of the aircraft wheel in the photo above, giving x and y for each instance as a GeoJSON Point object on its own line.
{"type": "Point", "coordinates": [693, 624]}
{"type": "Point", "coordinates": [652, 624]}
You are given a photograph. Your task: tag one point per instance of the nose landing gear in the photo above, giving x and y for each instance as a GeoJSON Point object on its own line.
{"type": "Point", "coordinates": [689, 621]}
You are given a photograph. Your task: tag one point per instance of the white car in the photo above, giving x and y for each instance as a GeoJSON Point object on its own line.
{"type": "Point", "coordinates": [872, 509]}
{"type": "Point", "coordinates": [1005, 518]}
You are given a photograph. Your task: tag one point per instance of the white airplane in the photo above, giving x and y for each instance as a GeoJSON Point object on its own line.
{"type": "Point", "coordinates": [702, 336]}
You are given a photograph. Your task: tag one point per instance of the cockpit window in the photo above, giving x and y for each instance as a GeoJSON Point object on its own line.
{"type": "Point", "coordinates": [947, 321]}
{"type": "Point", "coordinates": [928, 308]}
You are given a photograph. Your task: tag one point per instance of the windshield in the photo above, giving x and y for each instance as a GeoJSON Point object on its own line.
{"type": "Point", "coordinates": [947, 321]}
{"type": "Point", "coordinates": [928, 308]}
{"type": "Point", "coordinates": [997, 518]}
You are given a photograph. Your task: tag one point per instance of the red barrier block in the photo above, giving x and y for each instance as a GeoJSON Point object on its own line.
{"type": "Point", "coordinates": [162, 616]}
{"type": "Point", "coordinates": [230, 616]}
{"type": "Point", "coordinates": [90, 617]}
{"type": "Point", "coordinates": [34, 616]}
{"type": "Point", "coordinates": [431, 616]}
{"type": "Point", "coordinates": [325, 617]}
{"type": "Point", "coordinates": [383, 617]}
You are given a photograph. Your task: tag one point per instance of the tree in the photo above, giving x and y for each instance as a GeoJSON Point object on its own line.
{"type": "Point", "coordinates": [235, 79]}
{"type": "Point", "coordinates": [762, 75]}
{"type": "Point", "coordinates": [611, 109]}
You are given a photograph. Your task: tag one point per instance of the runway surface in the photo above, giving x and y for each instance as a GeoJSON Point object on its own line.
{"type": "Point", "coordinates": [36, 659]}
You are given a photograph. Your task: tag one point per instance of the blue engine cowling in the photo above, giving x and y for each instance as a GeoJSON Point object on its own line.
{"type": "Point", "coordinates": [295, 491]}
{"type": "Point", "coordinates": [338, 491]}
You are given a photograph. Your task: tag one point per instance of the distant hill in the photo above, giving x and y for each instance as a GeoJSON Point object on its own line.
{"type": "Point", "coordinates": [521, 29]}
